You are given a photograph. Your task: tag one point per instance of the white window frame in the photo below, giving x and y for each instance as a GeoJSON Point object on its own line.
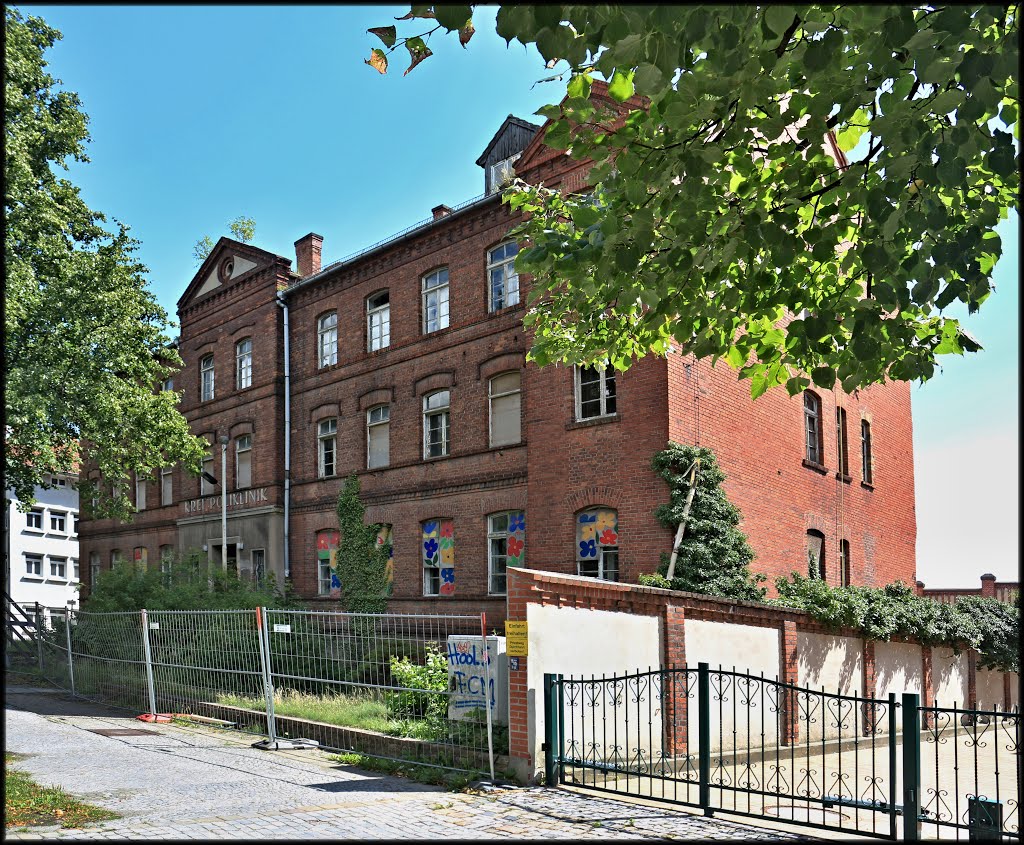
{"type": "Point", "coordinates": [61, 564]}
{"type": "Point", "coordinates": [140, 493]}
{"type": "Point", "coordinates": [867, 469]}
{"type": "Point", "coordinates": [258, 569]}
{"type": "Point", "coordinates": [205, 487]}
{"type": "Point", "coordinates": [444, 413]}
{"type": "Point", "coordinates": [491, 396]}
{"type": "Point", "coordinates": [76, 574]}
{"type": "Point", "coordinates": [507, 264]}
{"type": "Point", "coordinates": [206, 379]}
{"type": "Point", "coordinates": [602, 565]}
{"type": "Point", "coordinates": [36, 514]}
{"type": "Point", "coordinates": [436, 294]}
{"type": "Point", "coordinates": [168, 385]}
{"type": "Point", "coordinates": [327, 432]}
{"type": "Point", "coordinates": [327, 339]}
{"type": "Point", "coordinates": [500, 536]}
{"type": "Point", "coordinates": [813, 412]}
{"type": "Point", "coordinates": [166, 486]}
{"type": "Point", "coordinates": [502, 172]}
{"type": "Point", "coordinates": [382, 421]}
{"type": "Point", "coordinates": [243, 445]}
{"type": "Point", "coordinates": [603, 379]}
{"type": "Point", "coordinates": [63, 517]}
{"type": "Point", "coordinates": [243, 363]}
{"type": "Point", "coordinates": [33, 565]}
{"type": "Point", "coordinates": [323, 574]}
{"type": "Point", "coordinates": [378, 321]}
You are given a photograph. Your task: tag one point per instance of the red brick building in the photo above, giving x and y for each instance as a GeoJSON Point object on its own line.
{"type": "Point", "coordinates": [405, 364]}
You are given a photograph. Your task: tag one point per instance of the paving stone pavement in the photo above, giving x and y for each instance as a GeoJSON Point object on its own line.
{"type": "Point", "coordinates": [203, 783]}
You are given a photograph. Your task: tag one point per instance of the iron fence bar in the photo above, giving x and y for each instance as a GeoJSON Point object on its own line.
{"type": "Point", "coordinates": [487, 691]}
{"type": "Point", "coordinates": [911, 765]}
{"type": "Point", "coordinates": [147, 650]}
{"type": "Point", "coordinates": [704, 731]}
{"type": "Point", "coordinates": [893, 768]}
{"type": "Point", "coordinates": [39, 635]}
{"type": "Point", "coordinates": [551, 750]}
{"type": "Point", "coordinates": [71, 660]}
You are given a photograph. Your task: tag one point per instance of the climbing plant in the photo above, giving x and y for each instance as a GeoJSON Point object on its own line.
{"type": "Point", "coordinates": [362, 563]}
{"type": "Point", "coordinates": [714, 556]}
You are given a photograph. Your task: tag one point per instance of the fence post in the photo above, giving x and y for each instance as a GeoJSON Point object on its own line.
{"type": "Point", "coordinates": [552, 745]}
{"type": "Point", "coordinates": [911, 765]}
{"type": "Point", "coordinates": [149, 662]}
{"type": "Point", "coordinates": [487, 693]}
{"type": "Point", "coordinates": [263, 635]}
{"type": "Point", "coordinates": [39, 635]}
{"type": "Point", "coordinates": [893, 767]}
{"type": "Point", "coordinates": [71, 662]}
{"type": "Point", "coordinates": [704, 735]}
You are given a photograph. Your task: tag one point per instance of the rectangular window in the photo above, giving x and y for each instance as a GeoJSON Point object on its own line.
{"type": "Point", "coordinates": [243, 363]}
{"type": "Point", "coordinates": [34, 565]}
{"type": "Point", "coordinates": [76, 521]}
{"type": "Point", "coordinates": [94, 568]}
{"type": "Point", "coordinates": [595, 392]}
{"type": "Point", "coordinates": [378, 437]}
{"type": "Point", "coordinates": [865, 452]}
{"type": "Point", "coordinates": [58, 567]}
{"type": "Point", "coordinates": [116, 558]}
{"type": "Point", "coordinates": [504, 397]}
{"type": "Point", "coordinates": [816, 555]}
{"type": "Point", "coordinates": [328, 583]}
{"type": "Point", "coordinates": [140, 494]}
{"type": "Point", "coordinates": [166, 486]}
{"type": "Point", "coordinates": [327, 339]}
{"type": "Point", "coordinates": [58, 521]}
{"type": "Point", "coordinates": [378, 321]}
{"type": "Point", "coordinates": [75, 571]}
{"type": "Point", "coordinates": [206, 487]}
{"type": "Point", "coordinates": [502, 277]}
{"type": "Point", "coordinates": [140, 558]}
{"type": "Point", "coordinates": [327, 439]}
{"type": "Point", "coordinates": [436, 424]}
{"type": "Point", "coordinates": [842, 452]}
{"type": "Point", "coordinates": [812, 428]}
{"type": "Point", "coordinates": [206, 378]}
{"type": "Point", "coordinates": [438, 551]}
{"type": "Point", "coordinates": [435, 301]}
{"type": "Point", "coordinates": [844, 562]}
{"type": "Point", "coordinates": [259, 565]}
{"type": "Point", "coordinates": [502, 172]}
{"type": "Point", "coordinates": [243, 461]}
{"type": "Point", "coordinates": [168, 384]}
{"type": "Point", "coordinates": [506, 541]}
{"type": "Point", "coordinates": [34, 520]}
{"type": "Point", "coordinates": [597, 544]}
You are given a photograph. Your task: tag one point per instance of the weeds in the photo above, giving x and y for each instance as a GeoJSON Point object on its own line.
{"type": "Point", "coordinates": [27, 803]}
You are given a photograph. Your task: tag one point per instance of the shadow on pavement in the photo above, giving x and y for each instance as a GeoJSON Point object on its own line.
{"type": "Point", "coordinates": [54, 702]}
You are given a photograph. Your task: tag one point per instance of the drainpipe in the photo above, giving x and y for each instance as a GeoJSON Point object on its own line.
{"type": "Point", "coordinates": [287, 437]}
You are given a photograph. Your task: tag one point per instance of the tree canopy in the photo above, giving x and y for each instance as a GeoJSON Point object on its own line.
{"type": "Point", "coordinates": [242, 229]}
{"type": "Point", "coordinates": [86, 343]}
{"type": "Point", "coordinates": [721, 218]}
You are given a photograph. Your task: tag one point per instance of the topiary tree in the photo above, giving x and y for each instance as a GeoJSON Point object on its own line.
{"type": "Point", "coordinates": [362, 564]}
{"type": "Point", "coordinates": [714, 556]}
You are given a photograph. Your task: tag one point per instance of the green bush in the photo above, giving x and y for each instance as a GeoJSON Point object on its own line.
{"type": "Point", "coordinates": [424, 687]}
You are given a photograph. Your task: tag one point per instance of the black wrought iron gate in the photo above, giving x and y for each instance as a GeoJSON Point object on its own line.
{"type": "Point", "coordinates": [727, 741]}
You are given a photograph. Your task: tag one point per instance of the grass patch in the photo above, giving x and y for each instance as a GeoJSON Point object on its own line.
{"type": "Point", "coordinates": [343, 710]}
{"type": "Point", "coordinates": [26, 803]}
{"type": "Point", "coordinates": [452, 781]}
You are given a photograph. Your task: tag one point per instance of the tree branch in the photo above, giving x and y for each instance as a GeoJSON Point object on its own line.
{"type": "Point", "coordinates": [786, 36]}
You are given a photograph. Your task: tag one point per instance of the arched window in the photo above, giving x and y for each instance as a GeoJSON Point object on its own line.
{"type": "Point", "coordinates": [504, 397]}
{"type": "Point", "coordinates": [842, 452]}
{"type": "Point", "coordinates": [206, 378]}
{"type": "Point", "coordinates": [865, 452]}
{"type": "Point", "coordinates": [243, 363]}
{"type": "Point", "coordinates": [327, 339]}
{"type": "Point", "coordinates": [844, 563]}
{"type": "Point", "coordinates": [502, 278]}
{"type": "Point", "coordinates": [328, 583]}
{"type": "Point", "coordinates": [435, 301]}
{"type": "Point", "coordinates": [378, 437]}
{"type": "Point", "coordinates": [378, 321]}
{"type": "Point", "coordinates": [243, 461]}
{"type": "Point", "coordinates": [812, 428]}
{"type": "Point", "coordinates": [436, 421]}
{"type": "Point", "coordinates": [327, 447]}
{"type": "Point", "coordinates": [506, 544]}
{"type": "Point", "coordinates": [597, 543]}
{"type": "Point", "coordinates": [815, 554]}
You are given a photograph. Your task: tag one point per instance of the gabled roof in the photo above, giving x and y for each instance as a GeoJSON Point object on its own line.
{"type": "Point", "coordinates": [510, 122]}
{"type": "Point", "coordinates": [251, 258]}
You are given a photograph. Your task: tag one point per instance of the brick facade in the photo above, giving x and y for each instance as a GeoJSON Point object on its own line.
{"type": "Point", "coordinates": [560, 467]}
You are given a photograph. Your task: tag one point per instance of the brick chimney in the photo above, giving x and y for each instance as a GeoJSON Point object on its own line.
{"type": "Point", "coordinates": [307, 254]}
{"type": "Point", "coordinates": [440, 211]}
{"type": "Point", "coordinates": [919, 588]}
{"type": "Point", "coordinates": [988, 585]}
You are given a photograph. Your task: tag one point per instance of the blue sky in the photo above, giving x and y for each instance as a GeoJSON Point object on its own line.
{"type": "Point", "coordinates": [201, 113]}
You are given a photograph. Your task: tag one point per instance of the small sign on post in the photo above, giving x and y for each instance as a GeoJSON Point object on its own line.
{"type": "Point", "coordinates": [516, 640]}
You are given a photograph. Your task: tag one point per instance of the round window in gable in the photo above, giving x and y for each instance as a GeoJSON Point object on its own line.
{"type": "Point", "coordinates": [227, 267]}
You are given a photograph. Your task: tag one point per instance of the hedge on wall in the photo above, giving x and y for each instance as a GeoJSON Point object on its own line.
{"type": "Point", "coordinates": [362, 564]}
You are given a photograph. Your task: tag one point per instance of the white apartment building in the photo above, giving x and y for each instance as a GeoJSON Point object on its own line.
{"type": "Point", "coordinates": [42, 547]}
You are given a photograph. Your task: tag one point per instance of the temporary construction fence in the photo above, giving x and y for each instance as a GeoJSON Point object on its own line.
{"type": "Point", "coordinates": [381, 679]}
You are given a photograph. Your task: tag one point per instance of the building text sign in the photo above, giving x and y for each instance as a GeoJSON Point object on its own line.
{"type": "Point", "coordinates": [243, 498]}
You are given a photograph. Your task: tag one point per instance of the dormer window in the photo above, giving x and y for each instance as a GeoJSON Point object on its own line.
{"type": "Point", "coordinates": [502, 173]}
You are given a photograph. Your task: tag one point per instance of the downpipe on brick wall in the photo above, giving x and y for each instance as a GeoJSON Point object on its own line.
{"type": "Point", "coordinates": [287, 436]}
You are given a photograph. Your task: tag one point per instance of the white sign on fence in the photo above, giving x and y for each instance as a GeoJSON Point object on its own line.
{"type": "Point", "coordinates": [282, 629]}
{"type": "Point", "coordinates": [468, 674]}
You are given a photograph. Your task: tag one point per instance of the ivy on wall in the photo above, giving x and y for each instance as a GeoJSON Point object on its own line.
{"type": "Point", "coordinates": [362, 561]}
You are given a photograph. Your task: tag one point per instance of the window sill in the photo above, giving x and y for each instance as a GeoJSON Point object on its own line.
{"type": "Point", "coordinates": [867, 486]}
{"type": "Point", "coordinates": [846, 479]}
{"type": "Point", "coordinates": [493, 313]}
{"type": "Point", "coordinates": [816, 467]}
{"type": "Point", "coordinates": [502, 446]}
{"type": "Point", "coordinates": [608, 418]}
{"type": "Point", "coordinates": [38, 532]}
{"type": "Point", "coordinates": [36, 578]}
{"type": "Point", "coordinates": [436, 458]}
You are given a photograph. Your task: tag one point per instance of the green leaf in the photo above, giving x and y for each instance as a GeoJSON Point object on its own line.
{"type": "Point", "coordinates": [779, 18]}
{"type": "Point", "coordinates": [579, 86]}
{"type": "Point", "coordinates": [387, 34]}
{"type": "Point", "coordinates": [621, 86]}
{"type": "Point", "coordinates": [453, 17]}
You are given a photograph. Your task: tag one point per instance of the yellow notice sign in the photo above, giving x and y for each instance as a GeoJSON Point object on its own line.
{"type": "Point", "coordinates": [516, 641]}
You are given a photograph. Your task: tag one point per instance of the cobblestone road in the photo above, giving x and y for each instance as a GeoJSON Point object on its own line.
{"type": "Point", "coordinates": [202, 783]}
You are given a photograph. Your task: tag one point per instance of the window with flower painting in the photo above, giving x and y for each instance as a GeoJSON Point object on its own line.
{"type": "Point", "coordinates": [597, 544]}
{"type": "Point", "coordinates": [506, 545]}
{"type": "Point", "coordinates": [328, 583]}
{"type": "Point", "coordinates": [438, 549]}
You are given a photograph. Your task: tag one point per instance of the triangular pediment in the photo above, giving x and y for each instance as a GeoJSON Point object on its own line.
{"type": "Point", "coordinates": [228, 262]}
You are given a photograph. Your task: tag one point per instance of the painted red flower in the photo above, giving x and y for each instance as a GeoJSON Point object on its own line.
{"type": "Point", "coordinates": [447, 528]}
{"type": "Point", "coordinates": [515, 546]}
{"type": "Point", "coordinates": [609, 537]}
{"type": "Point", "coordinates": [447, 589]}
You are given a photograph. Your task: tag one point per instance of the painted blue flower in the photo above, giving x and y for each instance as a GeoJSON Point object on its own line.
{"type": "Point", "coordinates": [517, 522]}
{"type": "Point", "coordinates": [430, 547]}
{"type": "Point", "coordinates": [587, 517]}
{"type": "Point", "coordinates": [588, 548]}
{"type": "Point", "coordinates": [448, 576]}
{"type": "Point", "coordinates": [335, 581]}
{"type": "Point", "coordinates": [429, 527]}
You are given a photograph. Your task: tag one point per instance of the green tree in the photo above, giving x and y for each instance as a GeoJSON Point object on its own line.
{"type": "Point", "coordinates": [242, 229]}
{"type": "Point", "coordinates": [362, 564]}
{"type": "Point", "coordinates": [716, 211]}
{"type": "Point", "coordinates": [86, 342]}
{"type": "Point", "coordinates": [714, 557]}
